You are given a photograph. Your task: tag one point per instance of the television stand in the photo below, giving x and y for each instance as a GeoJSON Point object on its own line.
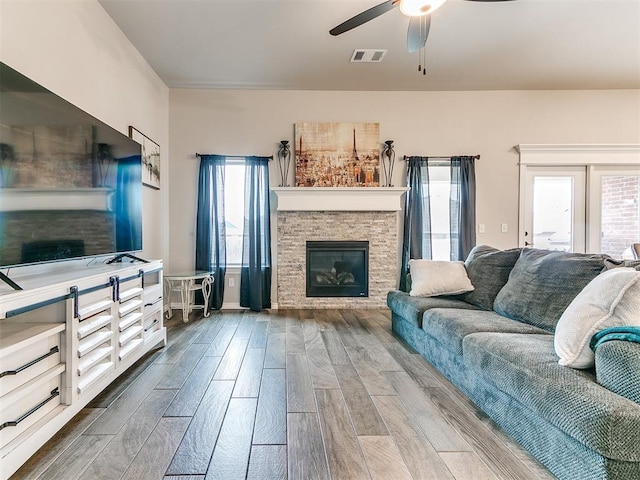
{"type": "Point", "coordinates": [9, 282]}
{"type": "Point", "coordinates": [77, 328]}
{"type": "Point", "coordinates": [118, 258]}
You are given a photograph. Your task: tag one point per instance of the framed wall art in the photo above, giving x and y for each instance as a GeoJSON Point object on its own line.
{"type": "Point", "coordinates": [150, 158]}
{"type": "Point", "coordinates": [343, 154]}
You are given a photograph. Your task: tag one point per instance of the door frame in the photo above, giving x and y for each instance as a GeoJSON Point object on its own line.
{"type": "Point", "coordinates": [572, 155]}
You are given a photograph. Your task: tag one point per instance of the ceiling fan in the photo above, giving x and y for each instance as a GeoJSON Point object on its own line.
{"type": "Point", "coordinates": [418, 11]}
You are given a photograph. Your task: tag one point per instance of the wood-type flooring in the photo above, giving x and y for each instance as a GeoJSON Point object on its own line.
{"type": "Point", "coordinates": [297, 394]}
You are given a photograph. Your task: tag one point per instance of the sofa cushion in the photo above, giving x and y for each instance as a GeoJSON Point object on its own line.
{"type": "Point", "coordinates": [526, 368]}
{"type": "Point", "coordinates": [430, 278]}
{"type": "Point", "coordinates": [488, 269]}
{"type": "Point", "coordinates": [412, 308]}
{"type": "Point", "coordinates": [450, 326]}
{"type": "Point", "coordinates": [611, 299]}
{"type": "Point", "coordinates": [543, 283]}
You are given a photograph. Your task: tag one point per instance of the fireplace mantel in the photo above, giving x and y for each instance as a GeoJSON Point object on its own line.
{"type": "Point", "coordinates": [335, 199]}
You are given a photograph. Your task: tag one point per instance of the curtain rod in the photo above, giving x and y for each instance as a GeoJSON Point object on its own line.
{"type": "Point", "coordinates": [270, 157]}
{"type": "Point", "coordinates": [476, 157]}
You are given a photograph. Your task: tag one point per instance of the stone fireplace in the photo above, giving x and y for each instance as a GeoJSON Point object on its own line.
{"type": "Point", "coordinates": [337, 215]}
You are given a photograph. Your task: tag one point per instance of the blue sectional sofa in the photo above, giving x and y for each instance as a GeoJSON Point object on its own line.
{"type": "Point", "coordinates": [496, 344]}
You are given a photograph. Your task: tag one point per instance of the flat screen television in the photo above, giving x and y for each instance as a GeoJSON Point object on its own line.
{"type": "Point", "coordinates": [70, 185]}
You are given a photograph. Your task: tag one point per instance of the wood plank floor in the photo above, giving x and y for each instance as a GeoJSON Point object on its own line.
{"type": "Point", "coordinates": [298, 394]}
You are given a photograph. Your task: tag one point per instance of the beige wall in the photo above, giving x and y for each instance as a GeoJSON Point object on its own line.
{"type": "Point", "coordinates": [242, 122]}
{"type": "Point", "coordinates": [74, 49]}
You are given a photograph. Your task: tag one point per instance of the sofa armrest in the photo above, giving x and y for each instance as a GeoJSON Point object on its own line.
{"type": "Point", "coordinates": [618, 368]}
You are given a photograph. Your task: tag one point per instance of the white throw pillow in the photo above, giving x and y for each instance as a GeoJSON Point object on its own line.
{"type": "Point", "coordinates": [430, 278]}
{"type": "Point", "coordinates": [611, 299]}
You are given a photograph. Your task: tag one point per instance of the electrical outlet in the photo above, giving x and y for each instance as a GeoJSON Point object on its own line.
{"type": "Point", "coordinates": [481, 228]}
{"type": "Point", "coordinates": [232, 282]}
{"type": "Point", "coordinates": [504, 228]}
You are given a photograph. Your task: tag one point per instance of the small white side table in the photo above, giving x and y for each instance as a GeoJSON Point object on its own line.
{"type": "Point", "coordinates": [185, 283]}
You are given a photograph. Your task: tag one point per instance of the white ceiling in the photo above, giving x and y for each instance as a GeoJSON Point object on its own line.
{"type": "Point", "coordinates": [285, 44]}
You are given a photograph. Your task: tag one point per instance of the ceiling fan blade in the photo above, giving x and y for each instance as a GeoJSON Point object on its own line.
{"type": "Point", "coordinates": [418, 32]}
{"type": "Point", "coordinates": [363, 17]}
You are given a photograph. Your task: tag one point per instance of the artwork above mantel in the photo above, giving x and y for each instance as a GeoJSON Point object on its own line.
{"type": "Point", "coordinates": [331, 199]}
{"type": "Point", "coordinates": [343, 154]}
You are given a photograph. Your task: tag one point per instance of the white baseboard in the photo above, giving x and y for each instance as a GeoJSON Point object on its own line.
{"type": "Point", "coordinates": [236, 306]}
{"type": "Point", "coordinates": [231, 306]}
{"type": "Point", "coordinates": [225, 306]}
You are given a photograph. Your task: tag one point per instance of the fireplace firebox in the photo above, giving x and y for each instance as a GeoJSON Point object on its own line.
{"type": "Point", "coordinates": [337, 268]}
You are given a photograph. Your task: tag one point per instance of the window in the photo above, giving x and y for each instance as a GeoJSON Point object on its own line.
{"type": "Point", "coordinates": [234, 210]}
{"type": "Point", "coordinates": [439, 215]}
{"type": "Point", "coordinates": [614, 200]}
{"type": "Point", "coordinates": [554, 204]}
{"type": "Point", "coordinates": [553, 197]}
{"type": "Point", "coordinates": [440, 193]}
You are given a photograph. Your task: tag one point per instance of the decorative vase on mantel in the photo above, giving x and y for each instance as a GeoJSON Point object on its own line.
{"type": "Point", "coordinates": [388, 160]}
{"type": "Point", "coordinates": [284, 161]}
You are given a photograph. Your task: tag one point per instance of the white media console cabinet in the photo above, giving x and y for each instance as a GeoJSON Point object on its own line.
{"type": "Point", "coordinates": [68, 334]}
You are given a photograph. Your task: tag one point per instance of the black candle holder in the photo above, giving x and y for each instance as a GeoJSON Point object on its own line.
{"type": "Point", "coordinates": [284, 160]}
{"type": "Point", "coordinates": [104, 159]}
{"type": "Point", "coordinates": [388, 161]}
{"type": "Point", "coordinates": [7, 161]}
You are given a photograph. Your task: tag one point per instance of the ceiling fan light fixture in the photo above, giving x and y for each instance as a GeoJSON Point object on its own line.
{"type": "Point", "coordinates": [417, 8]}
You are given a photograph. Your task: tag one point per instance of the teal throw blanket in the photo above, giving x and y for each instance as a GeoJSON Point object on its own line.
{"type": "Point", "coordinates": [628, 334]}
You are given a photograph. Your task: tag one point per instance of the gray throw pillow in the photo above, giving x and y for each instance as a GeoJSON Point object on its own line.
{"type": "Point", "coordinates": [543, 283]}
{"type": "Point", "coordinates": [488, 269]}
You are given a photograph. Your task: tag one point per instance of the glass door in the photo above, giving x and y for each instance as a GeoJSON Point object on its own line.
{"type": "Point", "coordinates": [554, 209]}
{"type": "Point", "coordinates": [614, 211]}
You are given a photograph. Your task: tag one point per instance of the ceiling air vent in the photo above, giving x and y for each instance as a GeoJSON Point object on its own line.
{"type": "Point", "coordinates": [367, 55]}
